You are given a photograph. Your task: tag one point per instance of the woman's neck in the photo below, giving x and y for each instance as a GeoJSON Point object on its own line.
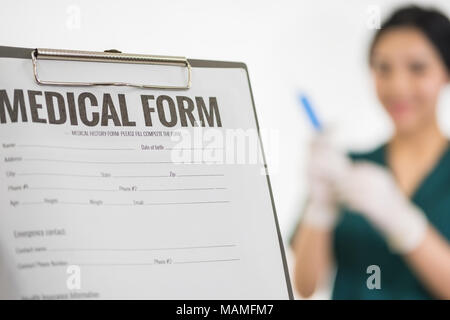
{"type": "Point", "coordinates": [428, 142]}
{"type": "Point", "coordinates": [412, 156]}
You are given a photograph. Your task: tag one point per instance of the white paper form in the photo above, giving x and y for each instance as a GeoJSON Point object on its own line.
{"type": "Point", "coordinates": [100, 199]}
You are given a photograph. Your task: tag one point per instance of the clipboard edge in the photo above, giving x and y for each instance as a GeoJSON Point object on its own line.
{"type": "Point", "coordinates": [272, 199]}
{"type": "Point", "coordinates": [25, 53]}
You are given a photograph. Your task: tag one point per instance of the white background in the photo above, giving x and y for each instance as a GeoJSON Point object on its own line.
{"type": "Point", "coordinates": [317, 46]}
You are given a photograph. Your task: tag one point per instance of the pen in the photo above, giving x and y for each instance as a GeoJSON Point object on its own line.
{"type": "Point", "coordinates": [303, 99]}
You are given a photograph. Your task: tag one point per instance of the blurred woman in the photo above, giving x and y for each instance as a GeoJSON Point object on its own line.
{"type": "Point", "coordinates": [387, 210]}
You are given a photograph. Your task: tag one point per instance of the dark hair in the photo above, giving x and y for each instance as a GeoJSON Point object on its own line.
{"type": "Point", "coordinates": [431, 22]}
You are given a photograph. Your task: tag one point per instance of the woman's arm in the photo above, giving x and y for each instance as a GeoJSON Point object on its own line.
{"type": "Point", "coordinates": [372, 191]}
{"type": "Point", "coordinates": [312, 250]}
{"type": "Point", "coordinates": [313, 240]}
{"type": "Point", "coordinates": [431, 262]}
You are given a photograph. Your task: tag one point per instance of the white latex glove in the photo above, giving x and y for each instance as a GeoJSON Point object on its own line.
{"type": "Point", "coordinates": [326, 165]}
{"type": "Point", "coordinates": [371, 189]}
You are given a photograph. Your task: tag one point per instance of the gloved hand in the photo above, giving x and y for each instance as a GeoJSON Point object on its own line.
{"type": "Point", "coordinates": [326, 165]}
{"type": "Point", "coordinates": [371, 189]}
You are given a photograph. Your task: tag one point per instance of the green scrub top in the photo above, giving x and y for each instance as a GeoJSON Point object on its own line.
{"type": "Point", "coordinates": [357, 245]}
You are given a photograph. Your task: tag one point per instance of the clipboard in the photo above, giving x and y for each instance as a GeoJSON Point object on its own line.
{"type": "Point", "coordinates": [31, 59]}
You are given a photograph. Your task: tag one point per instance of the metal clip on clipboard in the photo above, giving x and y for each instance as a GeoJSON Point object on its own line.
{"type": "Point", "coordinates": [109, 56]}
